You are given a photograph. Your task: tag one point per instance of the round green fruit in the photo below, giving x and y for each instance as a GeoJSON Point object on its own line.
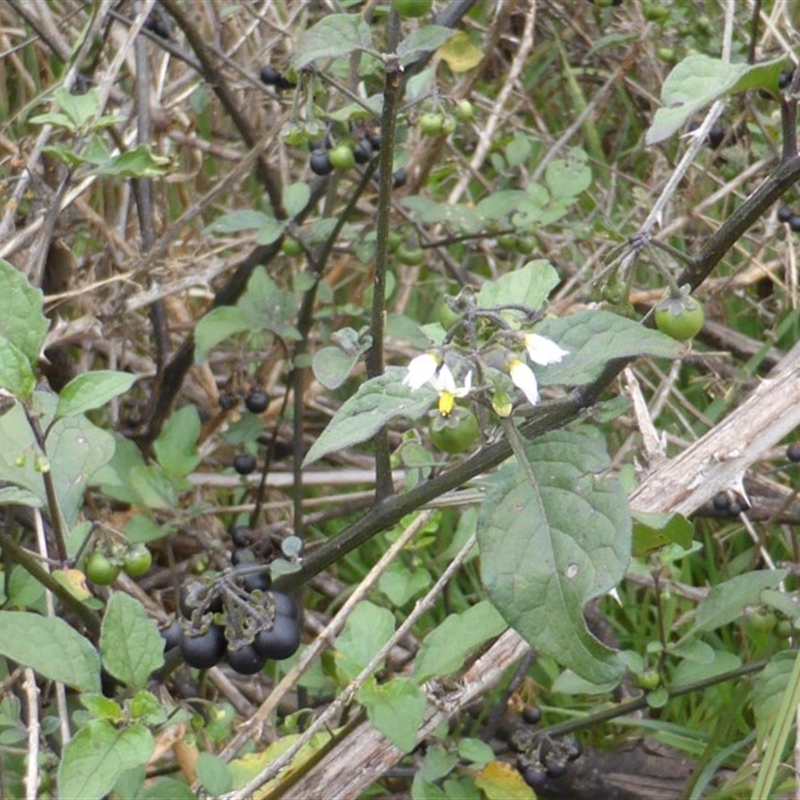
{"type": "Point", "coordinates": [456, 433]}
{"type": "Point", "coordinates": [448, 125]}
{"type": "Point", "coordinates": [137, 561]}
{"type": "Point", "coordinates": [525, 245]}
{"type": "Point", "coordinates": [763, 620]}
{"type": "Point", "coordinates": [680, 317]}
{"type": "Point", "coordinates": [447, 317]}
{"type": "Point", "coordinates": [508, 241]}
{"type": "Point", "coordinates": [464, 110]}
{"type": "Point", "coordinates": [411, 256]}
{"type": "Point", "coordinates": [648, 679]}
{"type": "Point", "coordinates": [431, 124]}
{"type": "Point", "coordinates": [101, 570]}
{"type": "Point", "coordinates": [411, 9]}
{"type": "Point", "coordinates": [342, 158]}
{"type": "Point", "coordinates": [291, 247]}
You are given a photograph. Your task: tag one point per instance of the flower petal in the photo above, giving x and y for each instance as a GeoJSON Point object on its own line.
{"type": "Point", "coordinates": [542, 350]}
{"type": "Point", "coordinates": [523, 378]}
{"type": "Point", "coordinates": [421, 369]}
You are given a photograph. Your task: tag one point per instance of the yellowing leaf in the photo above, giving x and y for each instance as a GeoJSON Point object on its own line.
{"type": "Point", "coordinates": [74, 581]}
{"type": "Point", "coordinates": [499, 781]}
{"type": "Point", "coordinates": [460, 53]}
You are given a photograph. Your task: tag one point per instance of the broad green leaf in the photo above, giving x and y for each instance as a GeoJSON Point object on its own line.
{"type": "Point", "coordinates": [689, 671]}
{"type": "Point", "coordinates": [114, 477]}
{"type": "Point", "coordinates": [96, 757]}
{"type": "Point", "coordinates": [726, 601]}
{"type": "Point", "coordinates": [421, 41]}
{"type": "Point", "coordinates": [595, 337]}
{"type": "Point", "coordinates": [459, 53]}
{"type": "Point", "coordinates": [376, 402]}
{"type": "Point", "coordinates": [458, 217]}
{"type": "Point", "coordinates": [400, 583]}
{"type": "Point", "coordinates": [271, 231]}
{"type": "Point", "coordinates": [552, 543]}
{"type": "Point", "coordinates": [79, 107]}
{"type": "Point", "coordinates": [219, 324]}
{"type": "Point", "coordinates": [50, 647]}
{"type": "Point", "coordinates": [396, 708]}
{"type": "Point", "coordinates": [422, 790]}
{"type": "Point", "coordinates": [504, 203]}
{"type": "Point", "coordinates": [446, 647]}
{"type": "Point", "coordinates": [698, 81]}
{"type": "Point", "coordinates": [437, 763]}
{"type": "Point", "coordinates": [22, 322]}
{"type": "Point", "coordinates": [245, 219]}
{"type": "Point", "coordinates": [567, 177]}
{"type": "Point", "coordinates": [334, 35]}
{"type": "Point", "coordinates": [268, 307]}
{"type": "Point", "coordinates": [102, 707]}
{"type": "Point", "coordinates": [77, 450]}
{"type": "Point", "coordinates": [214, 774]}
{"type": "Point", "coordinates": [140, 162]}
{"type": "Point", "coordinates": [501, 781]}
{"type": "Point", "coordinates": [130, 644]}
{"type": "Point", "coordinates": [92, 390]}
{"type": "Point", "coordinates": [569, 683]}
{"type": "Point", "coordinates": [295, 198]}
{"type": "Point", "coordinates": [16, 373]}
{"type": "Point", "coordinates": [769, 690]}
{"type": "Point", "coordinates": [154, 487]}
{"type": "Point", "coordinates": [176, 445]}
{"type": "Point", "coordinates": [529, 286]}
{"type": "Point", "coordinates": [788, 603]}
{"type": "Point", "coordinates": [19, 453]}
{"type": "Point", "coordinates": [652, 531]}
{"type": "Point", "coordinates": [367, 629]}
{"type": "Point", "coordinates": [16, 496]}
{"type": "Point", "coordinates": [332, 366]}
{"type": "Point", "coordinates": [475, 751]}
{"type": "Point", "coordinates": [166, 787]}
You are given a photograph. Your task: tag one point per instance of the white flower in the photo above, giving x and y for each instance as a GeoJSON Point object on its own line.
{"type": "Point", "coordinates": [421, 369]}
{"type": "Point", "coordinates": [542, 350]}
{"type": "Point", "coordinates": [523, 378]}
{"type": "Point", "coordinates": [444, 383]}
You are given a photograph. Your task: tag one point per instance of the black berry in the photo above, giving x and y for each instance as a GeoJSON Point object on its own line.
{"type": "Point", "coordinates": [256, 582]}
{"type": "Point", "coordinates": [285, 605]}
{"type": "Point", "coordinates": [271, 77]}
{"type": "Point", "coordinates": [793, 452]}
{"type": "Point", "coordinates": [785, 78]}
{"type": "Point", "coordinates": [399, 178]}
{"type": "Point", "coordinates": [555, 765]}
{"type": "Point", "coordinates": [205, 649]}
{"type": "Point", "coordinates": [280, 642]}
{"type": "Point", "coordinates": [362, 151]}
{"type": "Point", "coordinates": [794, 222]}
{"type": "Point", "coordinates": [245, 660]}
{"type": "Point", "coordinates": [721, 501]}
{"type": "Point", "coordinates": [784, 214]}
{"type": "Point", "coordinates": [531, 715]}
{"type": "Point", "coordinates": [245, 463]}
{"type": "Point", "coordinates": [171, 635]}
{"type": "Point", "coordinates": [716, 135]}
{"type": "Point", "coordinates": [320, 164]}
{"type": "Point", "coordinates": [240, 535]}
{"type": "Point", "coordinates": [227, 401]}
{"type": "Point", "coordinates": [257, 401]}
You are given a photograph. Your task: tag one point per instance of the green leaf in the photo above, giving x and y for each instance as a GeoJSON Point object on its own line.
{"type": "Point", "coordinates": [51, 647]}
{"type": "Point", "coordinates": [295, 198]}
{"type": "Point", "coordinates": [595, 337]}
{"type": "Point", "coordinates": [96, 757]}
{"type": "Point", "coordinates": [16, 373]}
{"type": "Point", "coordinates": [16, 496]}
{"type": "Point", "coordinates": [475, 751]}
{"type": "Point", "coordinates": [529, 286]}
{"type": "Point", "coordinates": [271, 231]}
{"type": "Point", "coordinates": [689, 671]}
{"type": "Point", "coordinates": [131, 646]}
{"type": "Point", "coordinates": [79, 107]}
{"type": "Point", "coordinates": [652, 531]}
{"type": "Point", "coordinates": [400, 584]}
{"type": "Point", "coordinates": [367, 629]}
{"type": "Point", "coordinates": [396, 708]}
{"type": "Point", "coordinates": [377, 401]}
{"type": "Point", "coordinates": [726, 601]}
{"type": "Point", "coordinates": [167, 787]}
{"type": "Point", "coordinates": [176, 445]}
{"type": "Point", "coordinates": [421, 41]}
{"type": "Point", "coordinates": [77, 450]}
{"type": "Point", "coordinates": [21, 319]}
{"type": "Point", "coordinates": [698, 81]}
{"type": "Point", "coordinates": [92, 390]}
{"type": "Point", "coordinates": [500, 205]}
{"type": "Point", "coordinates": [216, 326]}
{"type": "Point", "coordinates": [102, 707]}
{"type": "Point", "coordinates": [214, 774]}
{"type": "Point", "coordinates": [140, 162]}
{"type": "Point", "coordinates": [334, 35]}
{"type": "Point", "coordinates": [332, 366]}
{"type": "Point", "coordinates": [459, 53]}
{"type": "Point", "coordinates": [458, 217]}
{"type": "Point", "coordinates": [268, 307]}
{"type": "Point", "coordinates": [245, 219]}
{"type": "Point", "coordinates": [446, 647]}
{"type": "Point", "coordinates": [566, 178]}
{"type": "Point", "coordinates": [550, 544]}
{"type": "Point", "coordinates": [769, 690]}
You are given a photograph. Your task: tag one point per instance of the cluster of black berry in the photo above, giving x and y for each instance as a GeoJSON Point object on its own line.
{"type": "Point", "coordinates": [785, 214]}
{"type": "Point", "coordinates": [325, 159]}
{"type": "Point", "coordinates": [236, 614]}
